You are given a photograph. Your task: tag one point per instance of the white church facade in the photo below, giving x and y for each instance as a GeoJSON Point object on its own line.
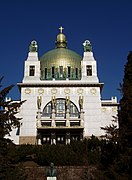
{"type": "Point", "coordinates": [63, 96]}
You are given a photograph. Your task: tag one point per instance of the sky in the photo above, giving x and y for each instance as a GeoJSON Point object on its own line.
{"type": "Point", "coordinates": [106, 23]}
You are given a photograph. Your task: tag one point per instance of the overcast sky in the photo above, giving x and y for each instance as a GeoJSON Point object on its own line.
{"type": "Point", "coordinates": [106, 23]}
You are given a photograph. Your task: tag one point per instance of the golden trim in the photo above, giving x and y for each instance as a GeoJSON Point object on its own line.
{"type": "Point", "coordinates": [114, 109]}
{"type": "Point", "coordinates": [67, 91]}
{"type": "Point", "coordinates": [93, 91]}
{"type": "Point", "coordinates": [80, 91]}
{"type": "Point", "coordinates": [27, 91]}
{"type": "Point", "coordinates": [53, 91]}
{"type": "Point", "coordinates": [103, 109]}
{"type": "Point", "coordinates": [40, 91]}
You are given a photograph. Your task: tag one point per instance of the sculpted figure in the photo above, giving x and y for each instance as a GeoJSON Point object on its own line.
{"type": "Point", "coordinates": [67, 101]}
{"type": "Point", "coordinates": [39, 101]}
{"type": "Point", "coordinates": [87, 46]}
{"type": "Point", "coordinates": [81, 102]}
{"type": "Point", "coordinates": [51, 171]}
{"type": "Point", "coordinates": [53, 102]}
{"type": "Point", "coordinates": [33, 46]}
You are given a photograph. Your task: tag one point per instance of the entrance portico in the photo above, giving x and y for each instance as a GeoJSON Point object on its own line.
{"type": "Point", "coordinates": [59, 135]}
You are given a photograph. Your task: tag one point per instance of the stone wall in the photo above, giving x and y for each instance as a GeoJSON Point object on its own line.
{"type": "Point", "coordinates": [27, 140]}
{"type": "Point", "coordinates": [64, 172]}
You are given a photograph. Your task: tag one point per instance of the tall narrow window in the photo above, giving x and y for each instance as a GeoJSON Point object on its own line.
{"type": "Point", "coordinates": [89, 70]}
{"type": "Point", "coordinates": [61, 71]}
{"type": "Point", "coordinates": [69, 71]}
{"type": "Point", "coordinates": [76, 72]}
{"type": "Point", "coordinates": [45, 73]}
{"type": "Point", "coordinates": [53, 72]}
{"type": "Point", "coordinates": [31, 70]}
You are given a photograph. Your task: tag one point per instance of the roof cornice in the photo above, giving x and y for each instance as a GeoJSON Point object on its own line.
{"type": "Point", "coordinates": [60, 84]}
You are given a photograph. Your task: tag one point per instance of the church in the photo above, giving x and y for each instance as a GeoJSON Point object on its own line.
{"type": "Point", "coordinates": [63, 96]}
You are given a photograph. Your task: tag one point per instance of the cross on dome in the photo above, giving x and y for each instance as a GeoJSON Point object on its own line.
{"type": "Point", "coordinates": [61, 29]}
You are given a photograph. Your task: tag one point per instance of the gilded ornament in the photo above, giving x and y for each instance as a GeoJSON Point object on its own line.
{"type": "Point", "coordinates": [114, 109]}
{"type": "Point", "coordinates": [67, 101]}
{"type": "Point", "coordinates": [53, 102]}
{"type": "Point", "coordinates": [27, 91]}
{"type": "Point", "coordinates": [93, 91]}
{"type": "Point", "coordinates": [67, 91]}
{"type": "Point", "coordinates": [61, 29]}
{"type": "Point", "coordinates": [39, 101]}
{"type": "Point", "coordinates": [40, 91]}
{"type": "Point", "coordinates": [80, 91]}
{"type": "Point", "coordinates": [54, 91]}
{"type": "Point", "coordinates": [103, 109]}
{"type": "Point", "coordinates": [81, 102]}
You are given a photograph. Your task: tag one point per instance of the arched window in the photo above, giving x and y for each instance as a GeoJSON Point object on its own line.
{"type": "Point", "coordinates": [60, 109]}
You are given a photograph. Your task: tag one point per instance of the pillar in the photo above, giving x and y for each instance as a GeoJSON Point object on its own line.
{"type": "Point", "coordinates": [53, 138]}
{"type": "Point", "coordinates": [68, 138]}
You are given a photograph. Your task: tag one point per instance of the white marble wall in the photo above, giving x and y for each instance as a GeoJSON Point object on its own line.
{"type": "Point", "coordinates": [92, 106]}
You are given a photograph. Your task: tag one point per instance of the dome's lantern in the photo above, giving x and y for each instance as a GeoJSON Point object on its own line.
{"type": "Point", "coordinates": [61, 41]}
{"type": "Point", "coordinates": [61, 63]}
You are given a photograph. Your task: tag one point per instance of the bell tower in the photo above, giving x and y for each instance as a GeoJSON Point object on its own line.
{"type": "Point", "coordinates": [88, 64]}
{"type": "Point", "coordinates": [32, 64]}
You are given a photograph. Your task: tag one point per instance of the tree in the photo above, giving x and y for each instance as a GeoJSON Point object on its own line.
{"type": "Point", "coordinates": [112, 131]}
{"type": "Point", "coordinates": [117, 152]}
{"type": "Point", "coordinates": [125, 112]}
{"type": "Point", "coordinates": [8, 120]}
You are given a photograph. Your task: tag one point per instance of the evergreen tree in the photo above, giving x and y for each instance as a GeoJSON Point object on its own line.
{"type": "Point", "coordinates": [125, 112]}
{"type": "Point", "coordinates": [8, 120]}
{"type": "Point", "coordinates": [112, 131]}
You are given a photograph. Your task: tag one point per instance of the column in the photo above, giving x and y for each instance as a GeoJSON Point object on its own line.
{"type": "Point", "coordinates": [81, 136]}
{"type": "Point", "coordinates": [67, 111]}
{"type": "Point", "coordinates": [39, 137]}
{"type": "Point", "coordinates": [53, 102]}
{"type": "Point", "coordinates": [53, 113]}
{"type": "Point", "coordinates": [39, 101]}
{"type": "Point", "coordinates": [53, 138]}
{"type": "Point", "coordinates": [68, 138]}
{"type": "Point", "coordinates": [82, 118]}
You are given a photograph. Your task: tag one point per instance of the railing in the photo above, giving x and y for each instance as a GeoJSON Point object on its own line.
{"type": "Point", "coordinates": [46, 122]}
{"type": "Point", "coordinates": [60, 115]}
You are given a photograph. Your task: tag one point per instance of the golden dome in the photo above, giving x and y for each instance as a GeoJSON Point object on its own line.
{"type": "Point", "coordinates": [60, 63]}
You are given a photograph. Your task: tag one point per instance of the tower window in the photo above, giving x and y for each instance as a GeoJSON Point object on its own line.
{"type": "Point", "coordinates": [45, 73]}
{"type": "Point", "coordinates": [89, 70]}
{"type": "Point", "coordinates": [53, 72]}
{"type": "Point", "coordinates": [61, 71]}
{"type": "Point", "coordinates": [76, 72]}
{"type": "Point", "coordinates": [31, 70]}
{"type": "Point", "coordinates": [69, 71]}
